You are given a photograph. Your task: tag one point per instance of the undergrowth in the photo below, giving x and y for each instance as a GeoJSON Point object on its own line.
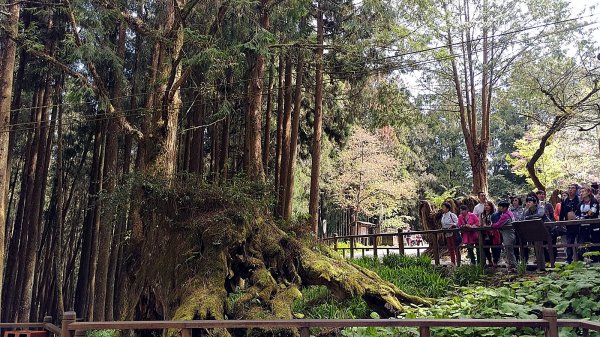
{"type": "Point", "coordinates": [573, 290]}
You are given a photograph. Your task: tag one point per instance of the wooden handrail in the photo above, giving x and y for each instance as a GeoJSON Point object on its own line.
{"type": "Point", "coordinates": [465, 229]}
{"type": "Point", "coordinates": [549, 323]}
{"type": "Point", "coordinates": [22, 325]}
{"type": "Point", "coordinates": [310, 323]}
{"type": "Point", "coordinates": [52, 328]}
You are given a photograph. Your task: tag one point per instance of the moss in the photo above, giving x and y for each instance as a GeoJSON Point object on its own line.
{"type": "Point", "coordinates": [205, 303]}
{"type": "Point", "coordinates": [353, 280]}
{"type": "Point", "coordinates": [281, 303]}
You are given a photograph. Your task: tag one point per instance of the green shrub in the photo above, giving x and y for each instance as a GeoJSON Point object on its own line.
{"type": "Point", "coordinates": [102, 333]}
{"type": "Point", "coordinates": [467, 274]}
{"type": "Point", "coordinates": [401, 261]}
{"type": "Point", "coordinates": [415, 275]}
{"type": "Point", "coordinates": [368, 262]}
{"type": "Point", "coordinates": [317, 302]}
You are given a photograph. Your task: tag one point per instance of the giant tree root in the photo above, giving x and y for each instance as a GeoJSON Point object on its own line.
{"type": "Point", "coordinates": [207, 257]}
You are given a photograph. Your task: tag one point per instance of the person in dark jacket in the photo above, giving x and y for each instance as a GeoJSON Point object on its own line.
{"type": "Point", "coordinates": [568, 207]}
{"type": "Point", "coordinates": [555, 232]}
{"type": "Point", "coordinates": [588, 209]}
{"type": "Point", "coordinates": [533, 210]}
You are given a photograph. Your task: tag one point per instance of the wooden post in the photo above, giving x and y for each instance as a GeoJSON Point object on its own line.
{"type": "Point", "coordinates": [186, 332]}
{"type": "Point", "coordinates": [375, 245]}
{"type": "Point", "coordinates": [539, 255]}
{"type": "Point", "coordinates": [551, 253]}
{"type": "Point", "coordinates": [304, 332]}
{"type": "Point", "coordinates": [80, 333]}
{"type": "Point", "coordinates": [68, 318]}
{"type": "Point", "coordinates": [400, 242]}
{"type": "Point", "coordinates": [424, 330]}
{"type": "Point", "coordinates": [351, 248]}
{"type": "Point", "coordinates": [458, 257]}
{"type": "Point", "coordinates": [549, 314]}
{"type": "Point", "coordinates": [436, 250]}
{"type": "Point", "coordinates": [335, 243]}
{"type": "Point", "coordinates": [480, 249]}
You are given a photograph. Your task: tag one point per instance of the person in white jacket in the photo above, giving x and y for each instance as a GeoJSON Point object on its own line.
{"type": "Point", "coordinates": [450, 221]}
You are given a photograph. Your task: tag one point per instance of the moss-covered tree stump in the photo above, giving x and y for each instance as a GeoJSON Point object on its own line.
{"type": "Point", "coordinates": [211, 253]}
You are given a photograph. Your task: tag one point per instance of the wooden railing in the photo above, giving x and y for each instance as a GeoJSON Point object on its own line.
{"type": "Point", "coordinates": [549, 323]}
{"type": "Point", "coordinates": [436, 234]}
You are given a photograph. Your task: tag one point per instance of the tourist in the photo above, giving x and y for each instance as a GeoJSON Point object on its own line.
{"type": "Point", "coordinates": [568, 208]}
{"type": "Point", "coordinates": [490, 237]}
{"type": "Point", "coordinates": [467, 219]}
{"type": "Point", "coordinates": [516, 207]}
{"type": "Point", "coordinates": [481, 205]}
{"type": "Point", "coordinates": [588, 209]}
{"type": "Point", "coordinates": [563, 196]}
{"type": "Point", "coordinates": [507, 232]}
{"type": "Point", "coordinates": [450, 221]}
{"type": "Point", "coordinates": [555, 231]}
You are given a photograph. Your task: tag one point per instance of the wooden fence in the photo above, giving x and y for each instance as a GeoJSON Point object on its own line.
{"type": "Point", "coordinates": [436, 249]}
{"type": "Point", "coordinates": [71, 328]}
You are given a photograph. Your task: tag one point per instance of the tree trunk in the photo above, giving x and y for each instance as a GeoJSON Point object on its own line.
{"type": "Point", "coordinates": [253, 164]}
{"type": "Point", "coordinates": [224, 149]}
{"type": "Point", "coordinates": [197, 141]}
{"type": "Point", "coordinates": [267, 143]}
{"type": "Point", "coordinates": [289, 193]}
{"type": "Point", "coordinates": [83, 297]}
{"type": "Point", "coordinates": [59, 223]}
{"type": "Point", "coordinates": [6, 86]}
{"type": "Point", "coordinates": [285, 138]}
{"type": "Point", "coordinates": [278, 145]}
{"type": "Point", "coordinates": [110, 176]}
{"type": "Point", "coordinates": [313, 204]}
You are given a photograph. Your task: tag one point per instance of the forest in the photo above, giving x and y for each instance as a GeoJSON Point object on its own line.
{"type": "Point", "coordinates": [159, 157]}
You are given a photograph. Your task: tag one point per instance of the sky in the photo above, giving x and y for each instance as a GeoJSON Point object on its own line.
{"type": "Point", "coordinates": [579, 5]}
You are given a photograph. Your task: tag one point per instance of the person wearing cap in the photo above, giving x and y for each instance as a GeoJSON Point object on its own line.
{"type": "Point", "coordinates": [508, 233]}
{"type": "Point", "coordinates": [568, 207]}
{"type": "Point", "coordinates": [467, 219]}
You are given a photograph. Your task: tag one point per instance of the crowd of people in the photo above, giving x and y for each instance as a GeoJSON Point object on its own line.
{"type": "Point", "coordinates": [578, 202]}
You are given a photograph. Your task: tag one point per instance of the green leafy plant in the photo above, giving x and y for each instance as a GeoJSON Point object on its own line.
{"type": "Point", "coordinates": [467, 274]}
{"type": "Point", "coordinates": [317, 302]}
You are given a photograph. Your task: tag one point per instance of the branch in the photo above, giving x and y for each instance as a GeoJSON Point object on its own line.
{"type": "Point", "coordinates": [557, 125]}
{"type": "Point", "coordinates": [186, 73]}
{"type": "Point", "coordinates": [98, 85]}
{"type": "Point", "coordinates": [134, 22]}
{"type": "Point", "coordinates": [187, 9]}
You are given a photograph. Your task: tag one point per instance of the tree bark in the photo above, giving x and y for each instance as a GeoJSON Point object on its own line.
{"type": "Point", "coordinates": [59, 223]}
{"type": "Point", "coordinates": [6, 88]}
{"type": "Point", "coordinates": [477, 145]}
{"type": "Point", "coordinates": [267, 137]}
{"type": "Point", "coordinates": [83, 297]}
{"type": "Point", "coordinates": [315, 171]}
{"type": "Point", "coordinates": [285, 138]}
{"type": "Point", "coordinates": [110, 176]}
{"type": "Point", "coordinates": [278, 145]}
{"type": "Point", "coordinates": [289, 193]}
{"type": "Point", "coordinates": [253, 164]}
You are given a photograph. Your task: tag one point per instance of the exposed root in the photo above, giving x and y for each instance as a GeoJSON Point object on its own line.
{"type": "Point", "coordinates": [345, 280]}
